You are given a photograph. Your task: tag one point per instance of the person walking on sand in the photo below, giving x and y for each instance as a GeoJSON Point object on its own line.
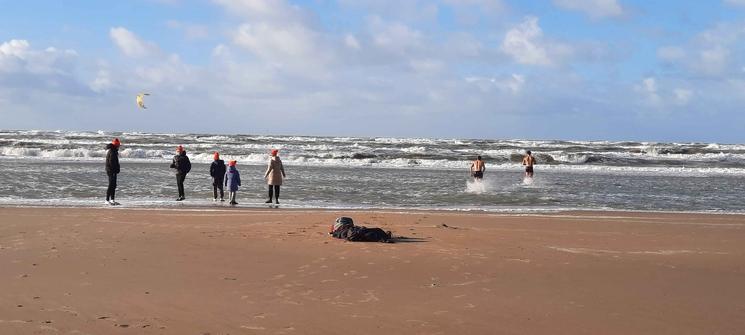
{"type": "Point", "coordinates": [274, 175]}
{"type": "Point", "coordinates": [477, 168]}
{"type": "Point", "coordinates": [217, 172]}
{"type": "Point", "coordinates": [232, 181]}
{"type": "Point", "coordinates": [528, 162]}
{"type": "Point", "coordinates": [182, 165]}
{"type": "Point", "coordinates": [112, 169]}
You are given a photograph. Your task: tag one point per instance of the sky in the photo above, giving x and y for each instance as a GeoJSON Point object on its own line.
{"type": "Point", "coordinates": [668, 70]}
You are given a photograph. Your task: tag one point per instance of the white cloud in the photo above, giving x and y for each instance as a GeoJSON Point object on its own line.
{"type": "Point", "coordinates": [18, 56]}
{"type": "Point", "coordinates": [102, 82]}
{"type": "Point", "coordinates": [648, 88]}
{"type": "Point", "coordinates": [13, 54]}
{"type": "Point", "coordinates": [594, 8]}
{"type": "Point", "coordinates": [523, 43]}
{"type": "Point", "coordinates": [658, 97]}
{"type": "Point", "coordinates": [282, 36]}
{"type": "Point", "coordinates": [15, 48]}
{"type": "Point", "coordinates": [50, 70]}
{"type": "Point", "coordinates": [715, 52]}
{"type": "Point", "coordinates": [130, 44]}
{"type": "Point", "coordinates": [292, 46]}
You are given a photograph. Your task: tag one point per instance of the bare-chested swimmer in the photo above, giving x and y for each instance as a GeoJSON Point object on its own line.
{"type": "Point", "coordinates": [528, 161]}
{"type": "Point", "coordinates": [477, 168]}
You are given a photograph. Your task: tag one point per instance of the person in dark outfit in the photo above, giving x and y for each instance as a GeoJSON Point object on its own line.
{"type": "Point", "coordinates": [182, 165]}
{"type": "Point", "coordinates": [217, 171]}
{"type": "Point", "coordinates": [112, 169]}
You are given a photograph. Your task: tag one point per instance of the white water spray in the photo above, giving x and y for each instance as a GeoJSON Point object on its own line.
{"type": "Point", "coordinates": [480, 186]}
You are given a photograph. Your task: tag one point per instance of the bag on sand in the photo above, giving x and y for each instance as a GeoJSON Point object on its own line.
{"type": "Point", "coordinates": [364, 234]}
{"type": "Point", "coordinates": [361, 234]}
{"type": "Point", "coordinates": [341, 222]}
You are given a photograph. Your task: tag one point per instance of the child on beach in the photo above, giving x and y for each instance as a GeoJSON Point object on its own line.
{"type": "Point", "coordinates": [232, 181]}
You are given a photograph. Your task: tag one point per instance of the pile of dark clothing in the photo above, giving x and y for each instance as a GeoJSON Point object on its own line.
{"type": "Point", "coordinates": [345, 229]}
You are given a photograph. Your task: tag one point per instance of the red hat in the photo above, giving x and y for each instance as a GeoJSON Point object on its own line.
{"type": "Point", "coordinates": [180, 148]}
{"type": "Point", "coordinates": [217, 155]}
{"type": "Point", "coordinates": [116, 142]}
{"type": "Point", "coordinates": [232, 163]}
{"type": "Point", "coordinates": [275, 152]}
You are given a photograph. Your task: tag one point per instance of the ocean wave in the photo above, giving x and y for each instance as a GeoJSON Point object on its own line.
{"type": "Point", "coordinates": [372, 151]}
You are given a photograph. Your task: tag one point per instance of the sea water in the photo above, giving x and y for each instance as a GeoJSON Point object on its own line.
{"type": "Point", "coordinates": [62, 168]}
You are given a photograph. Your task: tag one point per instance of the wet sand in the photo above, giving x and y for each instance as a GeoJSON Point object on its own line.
{"type": "Point", "coordinates": [253, 271]}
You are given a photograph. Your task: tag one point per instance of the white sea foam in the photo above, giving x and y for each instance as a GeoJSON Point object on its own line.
{"type": "Point", "coordinates": [385, 152]}
{"type": "Point", "coordinates": [480, 186]}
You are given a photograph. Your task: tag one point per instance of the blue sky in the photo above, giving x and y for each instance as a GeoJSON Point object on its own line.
{"type": "Point", "coordinates": [553, 69]}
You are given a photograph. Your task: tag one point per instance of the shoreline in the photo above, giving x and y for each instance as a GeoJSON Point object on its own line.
{"type": "Point", "coordinates": [262, 207]}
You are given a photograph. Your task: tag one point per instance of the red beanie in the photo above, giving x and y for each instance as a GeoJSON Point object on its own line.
{"type": "Point", "coordinates": [116, 142]}
{"type": "Point", "coordinates": [217, 155]}
{"type": "Point", "coordinates": [275, 152]}
{"type": "Point", "coordinates": [180, 148]}
{"type": "Point", "coordinates": [232, 163]}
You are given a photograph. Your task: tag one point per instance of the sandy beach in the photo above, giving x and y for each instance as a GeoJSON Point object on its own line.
{"type": "Point", "coordinates": [254, 271]}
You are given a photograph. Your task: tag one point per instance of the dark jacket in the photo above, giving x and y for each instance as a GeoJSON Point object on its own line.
{"type": "Point", "coordinates": [217, 170]}
{"type": "Point", "coordinates": [181, 163]}
{"type": "Point", "coordinates": [232, 179]}
{"type": "Point", "coordinates": [112, 159]}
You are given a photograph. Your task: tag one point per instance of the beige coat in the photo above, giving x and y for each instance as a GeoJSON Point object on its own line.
{"type": "Point", "coordinates": [275, 172]}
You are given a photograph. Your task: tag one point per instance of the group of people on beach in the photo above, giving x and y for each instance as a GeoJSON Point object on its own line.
{"type": "Point", "coordinates": [478, 166]}
{"type": "Point", "coordinates": [229, 176]}
{"type": "Point", "coordinates": [222, 176]}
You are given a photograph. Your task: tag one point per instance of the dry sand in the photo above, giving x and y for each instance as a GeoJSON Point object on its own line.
{"type": "Point", "coordinates": [120, 271]}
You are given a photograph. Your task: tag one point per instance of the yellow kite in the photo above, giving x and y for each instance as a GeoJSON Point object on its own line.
{"type": "Point", "coordinates": [140, 101]}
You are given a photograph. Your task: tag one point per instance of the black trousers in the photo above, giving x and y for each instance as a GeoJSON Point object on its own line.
{"type": "Point", "coordinates": [180, 183]}
{"type": "Point", "coordinates": [273, 189]}
{"type": "Point", "coordinates": [217, 185]}
{"type": "Point", "coordinates": [112, 187]}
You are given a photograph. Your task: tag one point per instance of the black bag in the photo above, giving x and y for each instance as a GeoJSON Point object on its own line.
{"type": "Point", "coordinates": [364, 234]}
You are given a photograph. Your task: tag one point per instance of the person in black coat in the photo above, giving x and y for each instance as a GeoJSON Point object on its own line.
{"type": "Point", "coordinates": [217, 171]}
{"type": "Point", "coordinates": [112, 169]}
{"type": "Point", "coordinates": [182, 165]}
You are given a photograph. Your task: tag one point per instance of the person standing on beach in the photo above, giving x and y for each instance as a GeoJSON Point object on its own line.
{"type": "Point", "coordinates": [274, 175]}
{"type": "Point", "coordinates": [182, 165]}
{"type": "Point", "coordinates": [528, 162]}
{"type": "Point", "coordinates": [112, 169]}
{"type": "Point", "coordinates": [477, 168]}
{"type": "Point", "coordinates": [217, 171]}
{"type": "Point", "coordinates": [232, 181]}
